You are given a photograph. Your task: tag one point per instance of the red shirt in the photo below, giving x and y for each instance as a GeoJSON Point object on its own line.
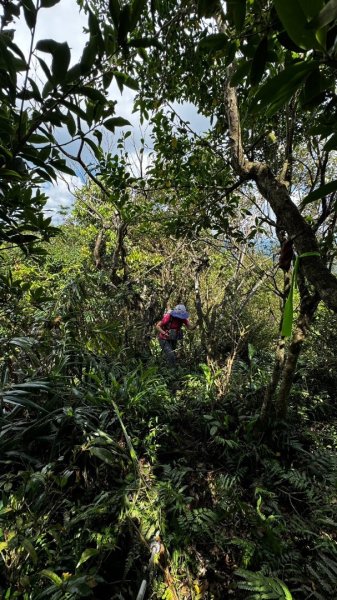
{"type": "Point", "coordinates": [175, 323]}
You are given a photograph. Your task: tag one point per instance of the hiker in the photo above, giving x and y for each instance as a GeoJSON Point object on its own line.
{"type": "Point", "coordinates": [170, 331]}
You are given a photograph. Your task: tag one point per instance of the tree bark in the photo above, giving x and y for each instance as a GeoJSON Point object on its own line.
{"type": "Point", "coordinates": [309, 303]}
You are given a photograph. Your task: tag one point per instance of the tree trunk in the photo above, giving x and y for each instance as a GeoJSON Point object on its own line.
{"type": "Point", "coordinates": [276, 193]}
{"type": "Point", "coordinates": [308, 308]}
{"type": "Point", "coordinates": [280, 353]}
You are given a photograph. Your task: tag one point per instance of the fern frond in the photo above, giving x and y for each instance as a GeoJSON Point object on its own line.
{"type": "Point", "coordinates": [266, 588]}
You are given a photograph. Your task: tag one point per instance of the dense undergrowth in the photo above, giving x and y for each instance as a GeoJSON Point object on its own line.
{"type": "Point", "coordinates": [99, 458]}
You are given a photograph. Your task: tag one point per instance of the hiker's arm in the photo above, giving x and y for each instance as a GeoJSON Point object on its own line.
{"type": "Point", "coordinates": [190, 326]}
{"type": "Point", "coordinates": [160, 329]}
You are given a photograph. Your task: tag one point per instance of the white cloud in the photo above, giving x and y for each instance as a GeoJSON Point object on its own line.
{"type": "Point", "coordinates": [62, 22]}
{"type": "Point", "coordinates": [61, 196]}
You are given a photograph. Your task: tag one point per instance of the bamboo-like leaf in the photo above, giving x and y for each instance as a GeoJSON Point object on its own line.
{"type": "Point", "coordinates": [52, 576]}
{"type": "Point", "coordinates": [86, 554]}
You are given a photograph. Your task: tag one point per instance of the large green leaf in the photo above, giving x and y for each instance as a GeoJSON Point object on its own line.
{"type": "Point", "coordinates": [52, 576]}
{"type": "Point", "coordinates": [311, 7]}
{"type": "Point", "coordinates": [207, 8]}
{"type": "Point", "coordinates": [294, 17]}
{"type": "Point", "coordinates": [61, 57]}
{"type": "Point", "coordinates": [92, 93]}
{"type": "Point", "coordinates": [331, 144]}
{"type": "Point", "coordinates": [215, 41]}
{"type": "Point", "coordinates": [236, 11]}
{"type": "Point", "coordinates": [137, 7]}
{"type": "Point", "coordinates": [115, 122]}
{"type": "Point", "coordinates": [114, 9]}
{"type": "Point", "coordinates": [104, 455]}
{"type": "Point", "coordinates": [48, 3]}
{"type": "Point", "coordinates": [327, 14]}
{"type": "Point", "coordinates": [145, 43]}
{"type": "Point", "coordinates": [322, 191]}
{"type": "Point", "coordinates": [259, 62]}
{"type": "Point", "coordinates": [124, 24]}
{"type": "Point", "coordinates": [29, 12]}
{"type": "Point", "coordinates": [279, 89]}
{"type": "Point", "coordinates": [89, 55]}
{"type": "Point", "coordinates": [124, 79]}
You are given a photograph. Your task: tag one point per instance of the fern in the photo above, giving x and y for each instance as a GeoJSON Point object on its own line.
{"type": "Point", "coordinates": [323, 576]}
{"type": "Point", "coordinates": [263, 588]}
{"type": "Point", "coordinates": [199, 522]}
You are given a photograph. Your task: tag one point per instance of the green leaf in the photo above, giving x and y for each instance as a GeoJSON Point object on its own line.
{"type": "Point", "coordinates": [28, 546]}
{"type": "Point", "coordinates": [259, 62]}
{"type": "Point", "coordinates": [207, 8]}
{"type": "Point", "coordinates": [215, 41]}
{"type": "Point", "coordinates": [295, 21]}
{"type": "Point", "coordinates": [124, 24]}
{"type": "Point", "coordinates": [279, 89]}
{"type": "Point", "coordinates": [86, 554]}
{"type": "Point", "coordinates": [114, 9]}
{"type": "Point", "coordinates": [48, 3]}
{"type": "Point", "coordinates": [96, 150]}
{"type": "Point", "coordinates": [99, 135]}
{"type": "Point", "coordinates": [61, 61]}
{"type": "Point", "coordinates": [74, 73]}
{"type": "Point", "coordinates": [52, 576]}
{"type": "Point", "coordinates": [29, 12]}
{"type": "Point", "coordinates": [137, 7]}
{"type": "Point", "coordinates": [326, 15]}
{"type": "Point", "coordinates": [61, 57]}
{"type": "Point", "coordinates": [236, 11]}
{"type": "Point", "coordinates": [145, 43]}
{"type": "Point", "coordinates": [242, 70]}
{"type": "Point", "coordinates": [61, 165]}
{"type": "Point", "coordinates": [124, 79]}
{"type": "Point", "coordinates": [115, 122]}
{"type": "Point", "coordinates": [331, 144]}
{"type": "Point", "coordinates": [35, 138]}
{"type": "Point", "coordinates": [92, 93]}
{"type": "Point", "coordinates": [71, 125]}
{"type": "Point", "coordinates": [103, 454]}
{"type": "Point", "coordinates": [322, 191]}
{"type": "Point", "coordinates": [89, 55]}
{"type": "Point", "coordinates": [311, 7]}
{"type": "Point", "coordinates": [45, 69]}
